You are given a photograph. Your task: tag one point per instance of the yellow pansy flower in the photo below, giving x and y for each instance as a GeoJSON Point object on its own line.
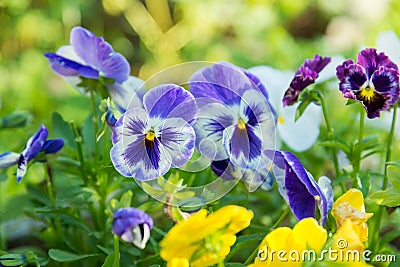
{"type": "Point", "coordinates": [307, 234]}
{"type": "Point", "coordinates": [204, 240]}
{"type": "Point", "coordinates": [351, 206]}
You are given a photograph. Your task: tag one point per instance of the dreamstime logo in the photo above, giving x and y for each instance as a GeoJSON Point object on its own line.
{"type": "Point", "coordinates": [233, 126]}
{"type": "Point", "coordinates": [342, 254]}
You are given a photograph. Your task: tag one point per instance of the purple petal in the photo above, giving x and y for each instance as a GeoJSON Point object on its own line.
{"type": "Point", "coordinates": [370, 60]}
{"type": "Point", "coordinates": [66, 67]}
{"type": "Point", "coordinates": [298, 84]}
{"type": "Point", "coordinates": [35, 144]}
{"type": "Point", "coordinates": [99, 54]}
{"type": "Point", "coordinates": [316, 64]}
{"type": "Point", "coordinates": [354, 76]}
{"type": "Point", "coordinates": [387, 81]}
{"type": "Point", "coordinates": [53, 146]}
{"type": "Point", "coordinates": [127, 218]}
{"type": "Point", "coordinates": [8, 159]}
{"type": "Point", "coordinates": [222, 81]}
{"type": "Point", "coordinates": [170, 101]}
{"type": "Point", "coordinates": [178, 139]}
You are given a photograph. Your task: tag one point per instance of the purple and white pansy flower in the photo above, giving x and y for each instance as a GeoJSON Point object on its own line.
{"type": "Point", "coordinates": [37, 144]}
{"type": "Point", "coordinates": [373, 80]}
{"type": "Point", "coordinates": [133, 226]}
{"type": "Point", "coordinates": [92, 57]}
{"type": "Point", "coordinates": [234, 121]}
{"type": "Point", "coordinates": [299, 189]}
{"type": "Point", "coordinates": [148, 141]}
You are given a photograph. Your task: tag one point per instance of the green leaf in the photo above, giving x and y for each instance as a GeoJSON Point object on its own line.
{"type": "Point", "coordinates": [350, 101]}
{"type": "Point", "coordinates": [126, 199]}
{"type": "Point", "coordinates": [63, 130]}
{"type": "Point", "coordinates": [66, 256]}
{"type": "Point", "coordinates": [109, 261]}
{"type": "Point", "coordinates": [302, 107]}
{"type": "Point", "coordinates": [338, 145]}
{"type": "Point", "coordinates": [389, 197]}
{"type": "Point", "coordinates": [151, 206]}
{"type": "Point", "coordinates": [393, 174]}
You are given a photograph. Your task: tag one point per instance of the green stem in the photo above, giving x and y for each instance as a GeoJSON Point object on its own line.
{"type": "Point", "coordinates": [379, 215]}
{"type": "Point", "coordinates": [331, 138]}
{"type": "Point", "coordinates": [78, 142]}
{"type": "Point", "coordinates": [49, 177]}
{"type": "Point", "coordinates": [276, 224]}
{"type": "Point", "coordinates": [357, 162]}
{"type": "Point", "coordinates": [95, 123]}
{"type": "Point", "coordinates": [116, 251]}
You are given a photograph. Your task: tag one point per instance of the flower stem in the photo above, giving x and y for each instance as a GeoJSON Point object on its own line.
{"type": "Point", "coordinates": [78, 142]}
{"type": "Point", "coordinates": [95, 123]}
{"type": "Point", "coordinates": [379, 215]}
{"type": "Point", "coordinates": [116, 251]}
{"type": "Point", "coordinates": [356, 167]}
{"type": "Point", "coordinates": [276, 224]}
{"type": "Point", "coordinates": [49, 177]}
{"type": "Point", "coordinates": [331, 138]}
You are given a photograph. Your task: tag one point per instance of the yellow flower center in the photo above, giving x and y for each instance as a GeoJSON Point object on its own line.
{"type": "Point", "coordinates": [150, 135]}
{"type": "Point", "coordinates": [367, 93]}
{"type": "Point", "coordinates": [241, 124]}
{"type": "Point", "coordinates": [281, 120]}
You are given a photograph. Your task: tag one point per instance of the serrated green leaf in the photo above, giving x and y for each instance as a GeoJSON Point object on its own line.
{"type": "Point", "coordinates": [337, 144]}
{"type": "Point", "coordinates": [393, 174]}
{"type": "Point", "coordinates": [389, 197]}
{"type": "Point", "coordinates": [66, 256]}
{"type": "Point", "coordinates": [63, 130]}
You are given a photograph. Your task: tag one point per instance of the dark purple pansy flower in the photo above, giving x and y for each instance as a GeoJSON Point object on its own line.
{"type": "Point", "coordinates": [373, 81]}
{"type": "Point", "coordinates": [149, 141]}
{"type": "Point", "coordinates": [132, 226]}
{"type": "Point", "coordinates": [235, 120]}
{"type": "Point", "coordinates": [38, 143]}
{"type": "Point", "coordinates": [252, 179]}
{"type": "Point", "coordinates": [304, 76]}
{"type": "Point", "coordinates": [299, 188]}
{"type": "Point", "coordinates": [89, 56]}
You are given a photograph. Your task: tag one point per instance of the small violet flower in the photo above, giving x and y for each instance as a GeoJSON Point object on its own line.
{"type": "Point", "coordinates": [90, 56]}
{"type": "Point", "coordinates": [149, 141]}
{"type": "Point", "coordinates": [299, 135]}
{"type": "Point", "coordinates": [299, 188]}
{"type": "Point", "coordinates": [304, 76]}
{"type": "Point", "coordinates": [235, 120]}
{"type": "Point", "coordinates": [36, 144]}
{"type": "Point", "coordinates": [132, 226]}
{"type": "Point", "coordinates": [373, 81]}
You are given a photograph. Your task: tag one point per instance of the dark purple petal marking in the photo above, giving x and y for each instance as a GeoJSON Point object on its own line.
{"type": "Point", "coordinates": [21, 169]}
{"type": "Point", "coordinates": [66, 67]}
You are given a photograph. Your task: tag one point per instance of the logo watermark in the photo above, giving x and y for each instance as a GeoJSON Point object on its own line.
{"type": "Point", "coordinates": [342, 254]}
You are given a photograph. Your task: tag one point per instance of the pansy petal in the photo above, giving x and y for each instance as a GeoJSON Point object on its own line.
{"type": "Point", "coordinates": [99, 54]}
{"type": "Point", "coordinates": [22, 166]}
{"type": "Point", "coordinates": [354, 77]}
{"type": "Point", "coordinates": [170, 101]}
{"type": "Point", "coordinates": [66, 67]}
{"type": "Point", "coordinates": [222, 81]}
{"type": "Point", "coordinates": [387, 81]}
{"type": "Point", "coordinates": [325, 185]}
{"type": "Point", "coordinates": [127, 94]}
{"type": "Point", "coordinates": [212, 120]}
{"type": "Point", "coordinates": [118, 159]}
{"type": "Point", "coordinates": [35, 144]}
{"type": "Point", "coordinates": [53, 146]}
{"type": "Point", "coordinates": [300, 135]}
{"type": "Point", "coordinates": [371, 60]}
{"type": "Point", "coordinates": [178, 138]}
{"type": "Point", "coordinates": [8, 159]}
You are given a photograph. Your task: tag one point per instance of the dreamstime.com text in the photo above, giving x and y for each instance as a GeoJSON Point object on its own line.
{"type": "Point", "coordinates": [340, 255]}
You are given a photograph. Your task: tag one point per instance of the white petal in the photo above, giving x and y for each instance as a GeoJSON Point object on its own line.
{"type": "Point", "coordinates": [8, 159]}
{"type": "Point", "coordinates": [389, 43]}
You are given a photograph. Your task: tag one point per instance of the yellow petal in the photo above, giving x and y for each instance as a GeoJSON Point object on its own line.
{"type": "Point", "coordinates": [307, 234]}
{"type": "Point", "coordinates": [352, 196]}
{"type": "Point", "coordinates": [347, 238]}
{"type": "Point", "coordinates": [178, 262]}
